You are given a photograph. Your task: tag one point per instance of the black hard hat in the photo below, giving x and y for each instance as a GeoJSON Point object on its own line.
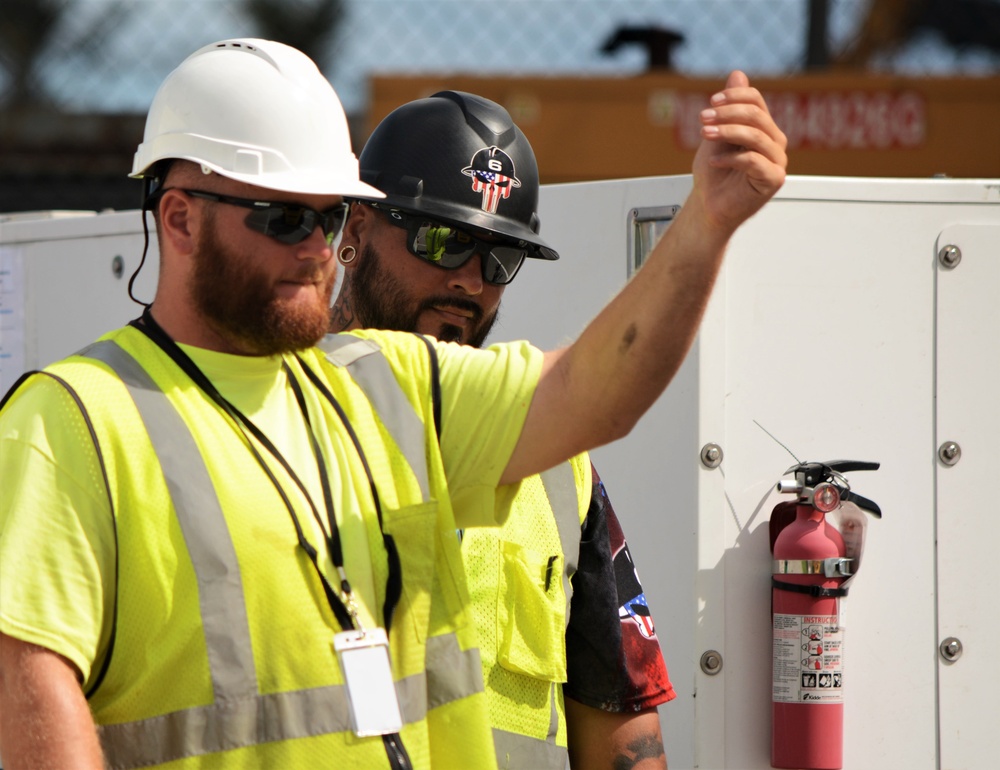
{"type": "Point", "coordinates": [458, 158]}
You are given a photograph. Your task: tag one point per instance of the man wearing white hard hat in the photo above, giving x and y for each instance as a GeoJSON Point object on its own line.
{"type": "Point", "coordinates": [228, 541]}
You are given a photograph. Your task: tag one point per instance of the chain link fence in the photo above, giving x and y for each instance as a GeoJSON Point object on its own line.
{"type": "Point", "coordinates": [110, 55]}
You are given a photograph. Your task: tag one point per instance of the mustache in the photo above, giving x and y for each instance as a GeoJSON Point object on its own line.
{"type": "Point", "coordinates": [309, 274]}
{"type": "Point", "coordinates": [453, 302]}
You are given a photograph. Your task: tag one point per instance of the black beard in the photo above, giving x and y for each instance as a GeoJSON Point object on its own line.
{"type": "Point", "coordinates": [381, 302]}
{"type": "Point", "coordinates": [240, 304]}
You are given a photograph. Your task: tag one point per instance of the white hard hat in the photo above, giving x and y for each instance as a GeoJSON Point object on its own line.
{"type": "Point", "coordinates": [256, 111]}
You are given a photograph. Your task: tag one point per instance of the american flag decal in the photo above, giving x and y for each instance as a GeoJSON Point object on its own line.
{"type": "Point", "coordinates": [492, 172]}
{"type": "Point", "coordinates": [493, 187]}
{"type": "Point", "coordinates": [637, 609]}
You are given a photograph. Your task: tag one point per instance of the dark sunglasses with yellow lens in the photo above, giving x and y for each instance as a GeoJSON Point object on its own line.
{"type": "Point", "coordinates": [285, 222]}
{"type": "Point", "coordinates": [449, 247]}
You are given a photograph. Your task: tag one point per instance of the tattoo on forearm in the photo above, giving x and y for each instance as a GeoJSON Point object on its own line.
{"type": "Point", "coordinates": [639, 750]}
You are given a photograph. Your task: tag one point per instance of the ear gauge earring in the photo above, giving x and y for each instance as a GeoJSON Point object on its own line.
{"type": "Point", "coordinates": [343, 256]}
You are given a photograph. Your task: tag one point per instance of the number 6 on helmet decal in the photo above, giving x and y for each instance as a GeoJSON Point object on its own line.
{"type": "Point", "coordinates": [495, 180]}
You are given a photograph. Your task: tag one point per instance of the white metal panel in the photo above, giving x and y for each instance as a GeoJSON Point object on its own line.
{"type": "Point", "coordinates": [968, 529]}
{"type": "Point", "coordinates": [72, 294]}
{"type": "Point", "coordinates": [829, 347]}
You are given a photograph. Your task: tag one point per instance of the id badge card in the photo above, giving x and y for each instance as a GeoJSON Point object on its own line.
{"type": "Point", "coordinates": [371, 693]}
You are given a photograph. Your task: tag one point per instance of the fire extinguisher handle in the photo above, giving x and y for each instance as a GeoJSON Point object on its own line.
{"type": "Point", "coordinates": [862, 502]}
{"type": "Point", "coordinates": [846, 466]}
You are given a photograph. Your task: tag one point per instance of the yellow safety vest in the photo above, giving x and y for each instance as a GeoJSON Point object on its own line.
{"type": "Point", "coordinates": [222, 652]}
{"type": "Point", "coordinates": [519, 582]}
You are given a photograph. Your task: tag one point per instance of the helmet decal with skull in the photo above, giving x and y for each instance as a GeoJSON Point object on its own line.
{"type": "Point", "coordinates": [492, 172]}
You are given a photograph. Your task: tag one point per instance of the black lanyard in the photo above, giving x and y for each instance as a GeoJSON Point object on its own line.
{"type": "Point", "coordinates": [342, 604]}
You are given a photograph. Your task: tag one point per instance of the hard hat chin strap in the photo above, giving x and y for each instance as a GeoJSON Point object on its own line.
{"type": "Point", "coordinates": [152, 186]}
{"type": "Point", "coordinates": [145, 249]}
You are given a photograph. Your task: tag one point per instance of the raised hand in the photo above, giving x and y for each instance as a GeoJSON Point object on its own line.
{"type": "Point", "coordinates": [741, 161]}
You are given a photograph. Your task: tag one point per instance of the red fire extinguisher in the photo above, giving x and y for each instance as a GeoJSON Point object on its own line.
{"type": "Point", "coordinates": [813, 562]}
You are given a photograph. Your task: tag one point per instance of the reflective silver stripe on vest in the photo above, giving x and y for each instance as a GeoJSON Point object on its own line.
{"type": "Point", "coordinates": [452, 673]}
{"type": "Point", "coordinates": [275, 717]}
{"type": "Point", "coordinates": [364, 361]}
{"type": "Point", "coordinates": [560, 488]}
{"type": "Point", "coordinates": [517, 751]}
{"type": "Point", "coordinates": [240, 715]}
{"type": "Point", "coordinates": [199, 513]}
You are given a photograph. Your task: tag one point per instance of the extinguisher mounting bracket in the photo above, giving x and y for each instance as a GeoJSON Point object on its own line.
{"type": "Point", "coordinates": [812, 590]}
{"type": "Point", "coordinates": [833, 567]}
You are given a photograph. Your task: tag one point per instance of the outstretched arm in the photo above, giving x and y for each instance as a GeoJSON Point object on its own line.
{"type": "Point", "coordinates": [594, 391]}
{"type": "Point", "coordinates": [44, 719]}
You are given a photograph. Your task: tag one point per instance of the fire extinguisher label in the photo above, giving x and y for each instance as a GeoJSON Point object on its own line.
{"type": "Point", "coordinates": [808, 659]}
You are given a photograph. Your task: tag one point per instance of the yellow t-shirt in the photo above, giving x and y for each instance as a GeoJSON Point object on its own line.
{"type": "Point", "coordinates": [56, 533]}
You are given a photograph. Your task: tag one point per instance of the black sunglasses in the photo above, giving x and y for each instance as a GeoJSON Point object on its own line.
{"type": "Point", "coordinates": [446, 246]}
{"type": "Point", "coordinates": [286, 222]}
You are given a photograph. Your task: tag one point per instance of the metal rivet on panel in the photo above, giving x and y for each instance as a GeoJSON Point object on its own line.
{"type": "Point", "coordinates": [951, 649]}
{"type": "Point", "coordinates": [950, 453]}
{"type": "Point", "coordinates": [711, 455]}
{"type": "Point", "coordinates": [711, 662]}
{"type": "Point", "coordinates": [949, 256]}
{"type": "Point", "coordinates": [118, 266]}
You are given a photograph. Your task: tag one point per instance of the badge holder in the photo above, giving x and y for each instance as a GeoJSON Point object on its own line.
{"type": "Point", "coordinates": [364, 658]}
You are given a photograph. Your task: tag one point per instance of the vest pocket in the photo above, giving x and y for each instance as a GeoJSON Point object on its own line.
{"type": "Point", "coordinates": [531, 614]}
{"type": "Point", "coordinates": [414, 530]}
